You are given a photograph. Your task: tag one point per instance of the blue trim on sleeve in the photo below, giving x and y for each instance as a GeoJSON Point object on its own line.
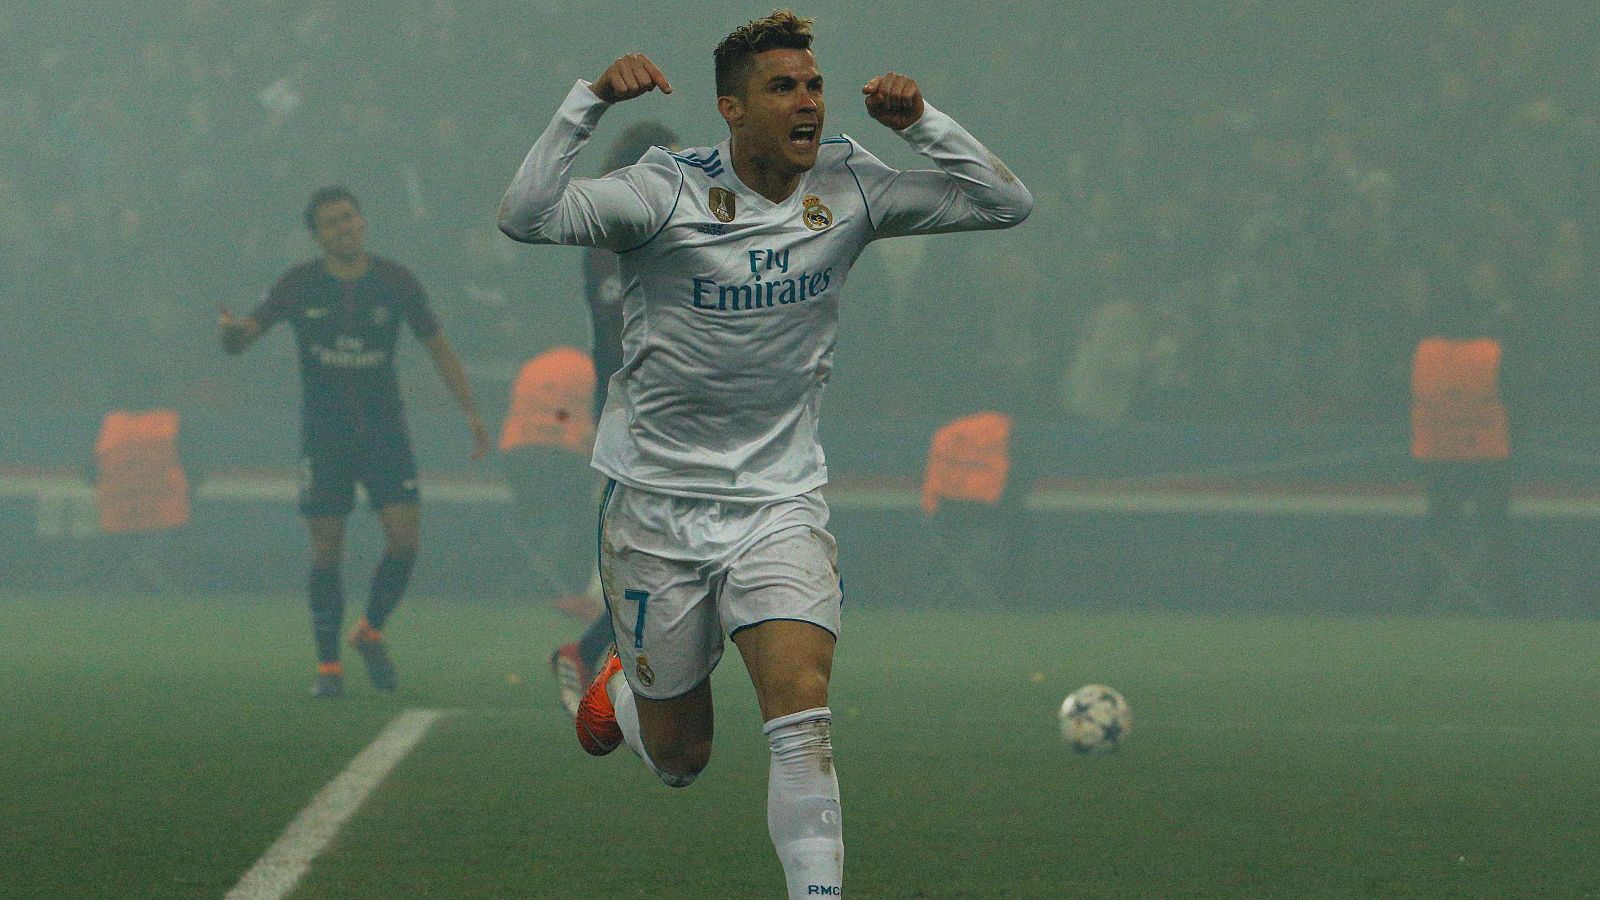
{"type": "Point", "coordinates": [848, 168]}
{"type": "Point", "coordinates": [711, 165]}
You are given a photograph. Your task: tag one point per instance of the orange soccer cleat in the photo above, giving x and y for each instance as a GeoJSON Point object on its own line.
{"type": "Point", "coordinates": [598, 732]}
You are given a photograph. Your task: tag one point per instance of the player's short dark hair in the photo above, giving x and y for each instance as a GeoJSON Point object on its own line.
{"type": "Point", "coordinates": [737, 53]}
{"type": "Point", "coordinates": [634, 141]}
{"type": "Point", "coordinates": [322, 197]}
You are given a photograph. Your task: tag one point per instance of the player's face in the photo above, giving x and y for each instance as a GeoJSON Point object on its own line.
{"type": "Point", "coordinates": [341, 229]}
{"type": "Point", "coordinates": [783, 109]}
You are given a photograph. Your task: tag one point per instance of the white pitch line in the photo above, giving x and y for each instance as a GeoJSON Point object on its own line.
{"type": "Point", "coordinates": [279, 869]}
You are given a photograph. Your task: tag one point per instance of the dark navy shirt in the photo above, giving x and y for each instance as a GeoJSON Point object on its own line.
{"type": "Point", "coordinates": [345, 333]}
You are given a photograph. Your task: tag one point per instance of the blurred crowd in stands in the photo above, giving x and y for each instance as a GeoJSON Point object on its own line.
{"type": "Point", "coordinates": [1241, 213]}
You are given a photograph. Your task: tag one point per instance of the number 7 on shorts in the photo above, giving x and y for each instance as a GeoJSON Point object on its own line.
{"type": "Point", "coordinates": [643, 599]}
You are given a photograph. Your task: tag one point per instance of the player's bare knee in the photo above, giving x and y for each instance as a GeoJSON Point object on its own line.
{"type": "Point", "coordinates": [680, 764]}
{"type": "Point", "coordinates": [674, 780]}
{"type": "Point", "coordinates": [402, 542]}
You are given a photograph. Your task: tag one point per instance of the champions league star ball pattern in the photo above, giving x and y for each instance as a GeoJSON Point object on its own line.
{"type": "Point", "coordinates": [1095, 719]}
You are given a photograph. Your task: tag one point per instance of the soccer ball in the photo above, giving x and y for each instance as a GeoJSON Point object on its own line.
{"type": "Point", "coordinates": [1095, 719]}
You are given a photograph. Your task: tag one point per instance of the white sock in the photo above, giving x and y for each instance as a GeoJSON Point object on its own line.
{"type": "Point", "coordinates": [803, 803]}
{"type": "Point", "coordinates": [627, 712]}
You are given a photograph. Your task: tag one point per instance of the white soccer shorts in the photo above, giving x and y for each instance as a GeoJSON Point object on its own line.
{"type": "Point", "coordinates": [681, 573]}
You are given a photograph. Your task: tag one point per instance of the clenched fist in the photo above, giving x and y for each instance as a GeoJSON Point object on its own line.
{"type": "Point", "coordinates": [895, 100]}
{"type": "Point", "coordinates": [628, 77]}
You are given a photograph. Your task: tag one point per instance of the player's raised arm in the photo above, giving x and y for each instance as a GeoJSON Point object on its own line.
{"type": "Point", "coordinates": [971, 190]}
{"type": "Point", "coordinates": [545, 205]}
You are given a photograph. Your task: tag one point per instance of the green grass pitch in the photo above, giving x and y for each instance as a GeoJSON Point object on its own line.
{"type": "Point", "coordinates": [155, 747]}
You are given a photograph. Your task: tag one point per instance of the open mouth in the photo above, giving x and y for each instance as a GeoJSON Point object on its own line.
{"type": "Point", "coordinates": [803, 137]}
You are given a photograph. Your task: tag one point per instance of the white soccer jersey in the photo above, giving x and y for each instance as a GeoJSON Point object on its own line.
{"type": "Point", "coordinates": [731, 301]}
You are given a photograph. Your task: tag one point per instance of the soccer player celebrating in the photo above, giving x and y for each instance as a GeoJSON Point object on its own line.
{"type": "Point", "coordinates": [733, 258]}
{"type": "Point", "coordinates": [346, 309]}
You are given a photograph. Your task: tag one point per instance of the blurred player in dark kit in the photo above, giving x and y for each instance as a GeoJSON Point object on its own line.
{"type": "Point", "coordinates": [345, 309]}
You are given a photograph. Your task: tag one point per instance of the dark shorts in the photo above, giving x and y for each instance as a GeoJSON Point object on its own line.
{"type": "Point", "coordinates": [386, 469]}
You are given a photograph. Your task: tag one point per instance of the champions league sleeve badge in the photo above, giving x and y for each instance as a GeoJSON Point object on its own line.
{"type": "Point", "coordinates": [722, 203]}
{"type": "Point", "coordinates": [815, 215]}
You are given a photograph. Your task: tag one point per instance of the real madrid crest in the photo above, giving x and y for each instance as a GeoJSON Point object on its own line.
{"type": "Point", "coordinates": [647, 675]}
{"type": "Point", "coordinates": [815, 214]}
{"type": "Point", "coordinates": [721, 201]}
